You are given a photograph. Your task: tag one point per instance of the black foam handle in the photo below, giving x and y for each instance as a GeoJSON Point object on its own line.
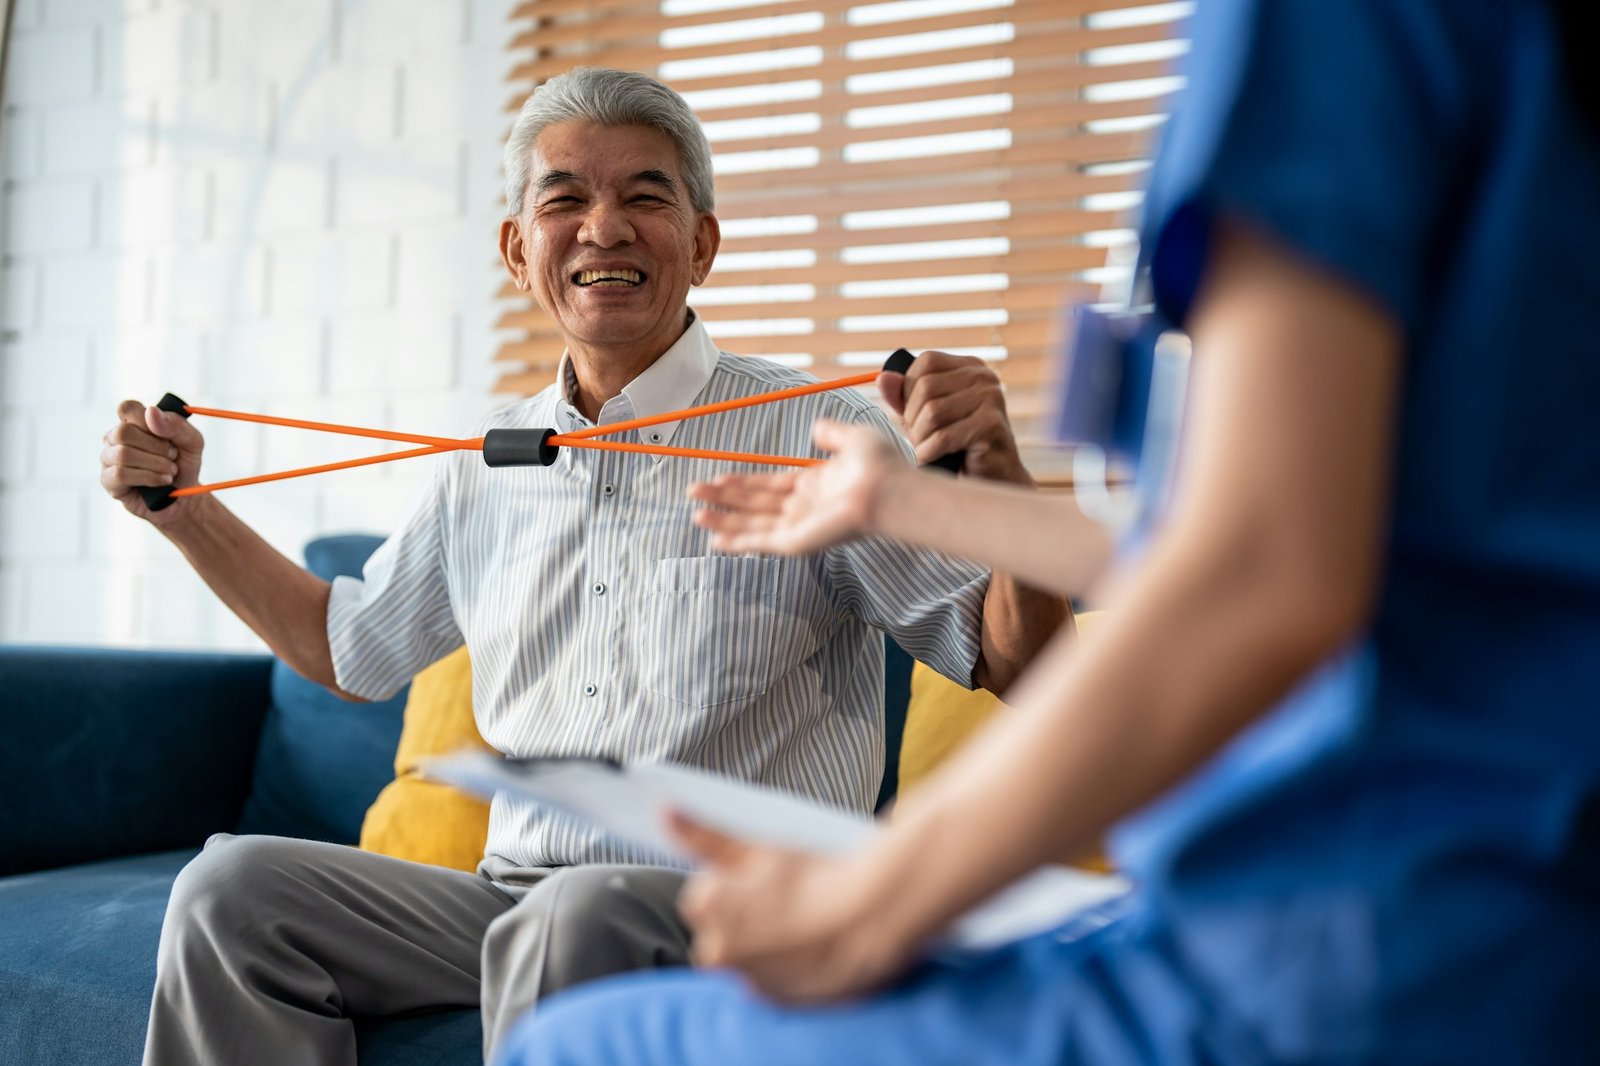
{"type": "Point", "coordinates": [159, 497]}
{"type": "Point", "coordinates": [899, 362]}
{"type": "Point", "coordinates": [519, 447]}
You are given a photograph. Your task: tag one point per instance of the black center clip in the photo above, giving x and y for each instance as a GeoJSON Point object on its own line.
{"type": "Point", "coordinates": [519, 447]}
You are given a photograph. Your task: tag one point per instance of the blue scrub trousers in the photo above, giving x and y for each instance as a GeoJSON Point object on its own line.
{"type": "Point", "coordinates": [1107, 999]}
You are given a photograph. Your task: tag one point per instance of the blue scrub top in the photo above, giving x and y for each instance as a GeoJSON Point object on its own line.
{"type": "Point", "coordinates": [1418, 822]}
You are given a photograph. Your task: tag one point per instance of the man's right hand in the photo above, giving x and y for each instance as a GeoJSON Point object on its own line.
{"type": "Point", "coordinates": [149, 448]}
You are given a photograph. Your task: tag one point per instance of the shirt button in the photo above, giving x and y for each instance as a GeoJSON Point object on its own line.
{"type": "Point", "coordinates": [608, 490]}
{"type": "Point", "coordinates": [599, 588]}
{"type": "Point", "coordinates": [589, 690]}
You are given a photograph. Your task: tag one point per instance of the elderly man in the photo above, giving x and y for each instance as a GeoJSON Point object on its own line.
{"type": "Point", "coordinates": [598, 620]}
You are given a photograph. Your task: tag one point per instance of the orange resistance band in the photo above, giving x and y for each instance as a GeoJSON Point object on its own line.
{"type": "Point", "coordinates": [198, 490]}
{"type": "Point", "coordinates": [441, 443]}
{"type": "Point", "coordinates": [686, 453]}
{"type": "Point", "coordinates": [717, 408]}
{"type": "Point", "coordinates": [578, 439]}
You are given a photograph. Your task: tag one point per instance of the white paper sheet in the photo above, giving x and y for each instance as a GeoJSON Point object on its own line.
{"type": "Point", "coordinates": [631, 804]}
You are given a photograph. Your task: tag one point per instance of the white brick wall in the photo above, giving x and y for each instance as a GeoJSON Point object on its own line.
{"type": "Point", "coordinates": [286, 207]}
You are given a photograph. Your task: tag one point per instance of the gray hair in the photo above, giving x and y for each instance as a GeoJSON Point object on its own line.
{"type": "Point", "coordinates": [609, 98]}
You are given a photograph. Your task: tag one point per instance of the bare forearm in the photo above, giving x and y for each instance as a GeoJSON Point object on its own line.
{"type": "Point", "coordinates": [1047, 543]}
{"type": "Point", "coordinates": [1099, 732]}
{"type": "Point", "coordinates": [1018, 621]}
{"type": "Point", "coordinates": [286, 606]}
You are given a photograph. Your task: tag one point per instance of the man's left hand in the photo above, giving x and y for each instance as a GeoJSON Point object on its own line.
{"type": "Point", "coordinates": [951, 403]}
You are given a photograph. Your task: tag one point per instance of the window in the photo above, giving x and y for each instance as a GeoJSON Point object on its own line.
{"type": "Point", "coordinates": [919, 173]}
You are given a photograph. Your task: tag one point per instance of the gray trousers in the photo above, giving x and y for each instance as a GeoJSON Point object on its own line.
{"type": "Point", "coordinates": [270, 946]}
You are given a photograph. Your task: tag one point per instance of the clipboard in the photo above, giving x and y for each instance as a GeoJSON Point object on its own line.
{"type": "Point", "coordinates": [631, 802]}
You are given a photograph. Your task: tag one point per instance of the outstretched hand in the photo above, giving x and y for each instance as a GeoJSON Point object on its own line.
{"type": "Point", "coordinates": [801, 928]}
{"type": "Point", "coordinates": [803, 512]}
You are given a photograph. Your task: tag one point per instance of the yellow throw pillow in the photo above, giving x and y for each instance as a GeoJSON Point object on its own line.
{"type": "Point", "coordinates": [422, 820]}
{"type": "Point", "coordinates": [939, 718]}
{"type": "Point", "coordinates": [942, 715]}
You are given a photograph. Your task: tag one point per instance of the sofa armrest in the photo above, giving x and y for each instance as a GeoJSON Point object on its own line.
{"type": "Point", "coordinates": [107, 752]}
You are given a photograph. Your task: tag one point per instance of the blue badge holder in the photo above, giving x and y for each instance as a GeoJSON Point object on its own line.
{"type": "Point", "coordinates": [1121, 406]}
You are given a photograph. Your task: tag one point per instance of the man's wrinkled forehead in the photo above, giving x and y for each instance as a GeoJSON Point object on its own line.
{"type": "Point", "coordinates": [581, 153]}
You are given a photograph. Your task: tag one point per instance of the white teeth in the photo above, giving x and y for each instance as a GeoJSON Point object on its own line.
{"type": "Point", "coordinates": [614, 277]}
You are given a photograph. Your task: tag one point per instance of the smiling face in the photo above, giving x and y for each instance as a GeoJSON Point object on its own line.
{"type": "Point", "coordinates": [608, 241]}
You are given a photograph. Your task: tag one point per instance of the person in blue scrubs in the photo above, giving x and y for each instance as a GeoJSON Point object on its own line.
{"type": "Point", "coordinates": [1345, 716]}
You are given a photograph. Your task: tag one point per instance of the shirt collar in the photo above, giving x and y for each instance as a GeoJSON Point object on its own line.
{"type": "Point", "coordinates": [668, 384]}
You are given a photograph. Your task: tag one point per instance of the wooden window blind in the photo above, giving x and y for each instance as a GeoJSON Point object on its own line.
{"type": "Point", "coordinates": [919, 173]}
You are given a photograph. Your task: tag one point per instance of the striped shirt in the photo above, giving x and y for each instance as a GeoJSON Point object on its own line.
{"type": "Point", "coordinates": [599, 622]}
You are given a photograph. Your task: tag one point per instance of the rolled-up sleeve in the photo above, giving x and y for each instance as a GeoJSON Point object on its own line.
{"type": "Point", "coordinates": [929, 602]}
{"type": "Point", "coordinates": [397, 618]}
{"type": "Point", "coordinates": [1337, 128]}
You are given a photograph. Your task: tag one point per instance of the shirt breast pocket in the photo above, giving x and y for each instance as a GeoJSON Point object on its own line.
{"type": "Point", "coordinates": [725, 629]}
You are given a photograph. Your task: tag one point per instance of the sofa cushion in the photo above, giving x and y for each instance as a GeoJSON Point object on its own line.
{"type": "Point", "coordinates": [78, 965]}
{"type": "Point", "coordinates": [425, 821]}
{"type": "Point", "coordinates": [78, 959]}
{"type": "Point", "coordinates": [322, 759]}
{"type": "Point", "coordinates": [107, 752]}
{"type": "Point", "coordinates": [436, 1038]}
{"type": "Point", "coordinates": [939, 719]}
{"type": "Point", "coordinates": [941, 715]}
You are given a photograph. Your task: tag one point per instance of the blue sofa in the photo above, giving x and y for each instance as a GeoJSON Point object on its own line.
{"type": "Point", "coordinates": [116, 765]}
